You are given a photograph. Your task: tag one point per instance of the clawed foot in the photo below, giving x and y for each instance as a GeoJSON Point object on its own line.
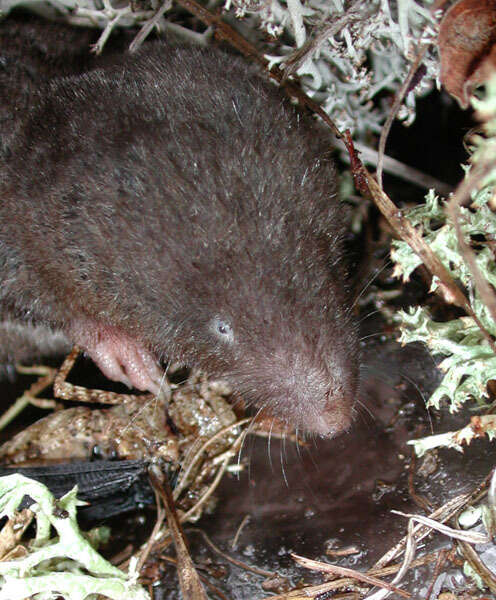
{"type": "Point", "coordinates": [119, 357]}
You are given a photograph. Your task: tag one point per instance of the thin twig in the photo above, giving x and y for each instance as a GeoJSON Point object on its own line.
{"type": "Point", "coordinates": [477, 565]}
{"type": "Point", "coordinates": [330, 28]}
{"type": "Point", "coordinates": [317, 565]}
{"type": "Point", "coordinates": [398, 100]}
{"type": "Point", "coordinates": [419, 500]}
{"type": "Point", "coordinates": [319, 590]}
{"type": "Point", "coordinates": [244, 521]}
{"type": "Point", "coordinates": [230, 559]}
{"type": "Point", "coordinates": [460, 198]}
{"type": "Point", "coordinates": [471, 537]}
{"type": "Point", "coordinates": [443, 557]}
{"type": "Point", "coordinates": [145, 552]}
{"type": "Point", "coordinates": [491, 504]}
{"type": "Point", "coordinates": [29, 396]}
{"type": "Point", "coordinates": [410, 548]}
{"type": "Point", "coordinates": [148, 26]}
{"type": "Point", "coordinates": [466, 549]}
{"type": "Point", "coordinates": [210, 585]}
{"type": "Point", "coordinates": [370, 156]}
{"type": "Point", "coordinates": [442, 514]}
{"type": "Point", "coordinates": [189, 580]}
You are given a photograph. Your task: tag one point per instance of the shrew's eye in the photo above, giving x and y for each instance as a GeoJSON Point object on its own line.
{"type": "Point", "coordinates": [222, 330]}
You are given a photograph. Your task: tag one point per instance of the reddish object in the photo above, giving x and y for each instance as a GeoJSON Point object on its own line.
{"type": "Point", "coordinates": [466, 42]}
{"type": "Point", "coordinates": [356, 165]}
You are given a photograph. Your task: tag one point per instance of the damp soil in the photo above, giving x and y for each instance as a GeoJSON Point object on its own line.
{"type": "Point", "coordinates": [334, 493]}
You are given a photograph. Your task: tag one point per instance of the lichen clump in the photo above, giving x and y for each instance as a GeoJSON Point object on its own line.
{"type": "Point", "coordinates": [469, 361]}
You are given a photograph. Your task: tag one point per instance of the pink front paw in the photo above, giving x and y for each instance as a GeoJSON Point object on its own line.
{"type": "Point", "coordinates": [119, 357]}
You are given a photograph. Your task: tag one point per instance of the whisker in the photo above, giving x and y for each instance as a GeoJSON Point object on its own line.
{"type": "Point", "coordinates": [307, 448]}
{"type": "Point", "coordinates": [372, 312]}
{"type": "Point", "coordinates": [282, 462]}
{"type": "Point", "coordinates": [269, 447]}
{"type": "Point", "coordinates": [415, 385]}
{"type": "Point", "coordinates": [240, 451]}
{"type": "Point", "coordinates": [358, 414]}
{"type": "Point", "coordinates": [367, 285]}
{"type": "Point", "coordinates": [298, 451]}
{"type": "Point", "coordinates": [249, 454]}
{"type": "Point", "coordinates": [247, 431]}
{"type": "Point", "coordinates": [366, 337]}
{"type": "Point", "coordinates": [367, 409]}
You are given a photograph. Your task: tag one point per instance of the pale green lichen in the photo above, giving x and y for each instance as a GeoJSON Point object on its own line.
{"type": "Point", "coordinates": [469, 362]}
{"type": "Point", "coordinates": [478, 426]}
{"type": "Point", "coordinates": [370, 54]}
{"type": "Point", "coordinates": [471, 573]}
{"type": "Point", "coordinates": [65, 565]}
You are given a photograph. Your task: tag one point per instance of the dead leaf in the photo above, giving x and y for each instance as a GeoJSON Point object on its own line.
{"type": "Point", "coordinates": [467, 44]}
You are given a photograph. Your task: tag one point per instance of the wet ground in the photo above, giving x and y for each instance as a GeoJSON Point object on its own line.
{"type": "Point", "coordinates": [338, 493]}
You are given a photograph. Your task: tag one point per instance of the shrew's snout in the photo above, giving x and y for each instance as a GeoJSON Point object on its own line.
{"type": "Point", "coordinates": [315, 401]}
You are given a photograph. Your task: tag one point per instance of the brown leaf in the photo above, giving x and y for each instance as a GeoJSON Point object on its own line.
{"type": "Point", "coordinates": [467, 44]}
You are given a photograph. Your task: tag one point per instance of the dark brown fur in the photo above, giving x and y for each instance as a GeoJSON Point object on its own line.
{"type": "Point", "coordinates": [32, 51]}
{"type": "Point", "coordinates": [175, 196]}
